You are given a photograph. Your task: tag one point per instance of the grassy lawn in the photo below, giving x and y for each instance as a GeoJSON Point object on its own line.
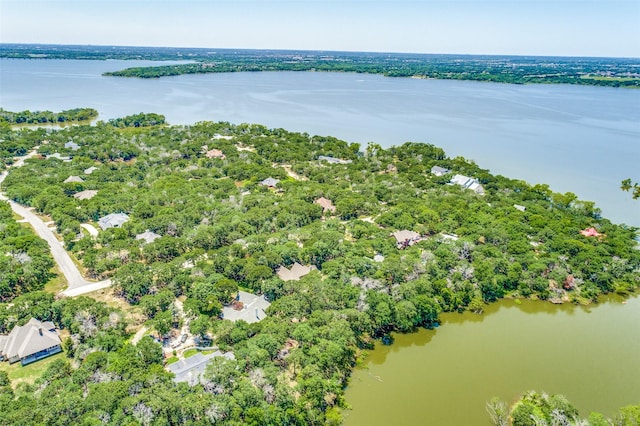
{"type": "Point", "coordinates": [29, 373]}
{"type": "Point", "coordinates": [189, 352]}
{"type": "Point", "coordinates": [57, 284]}
{"type": "Point", "coordinates": [172, 360]}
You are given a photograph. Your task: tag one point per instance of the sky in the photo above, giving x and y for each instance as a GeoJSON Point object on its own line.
{"type": "Point", "coordinates": [609, 28]}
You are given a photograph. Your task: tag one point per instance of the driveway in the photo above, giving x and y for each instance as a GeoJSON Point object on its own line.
{"type": "Point", "coordinates": [76, 282]}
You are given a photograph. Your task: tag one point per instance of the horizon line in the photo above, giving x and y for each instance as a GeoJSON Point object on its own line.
{"type": "Point", "coordinates": [315, 50]}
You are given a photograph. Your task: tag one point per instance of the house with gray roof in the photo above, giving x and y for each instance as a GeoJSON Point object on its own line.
{"type": "Point", "coordinates": [30, 342]}
{"type": "Point", "coordinates": [333, 160]}
{"type": "Point", "coordinates": [90, 170]}
{"type": "Point", "coordinates": [113, 220]}
{"type": "Point", "coordinates": [72, 146]}
{"type": "Point", "coordinates": [73, 179]}
{"type": "Point", "coordinates": [247, 307]}
{"type": "Point", "coordinates": [190, 370]}
{"type": "Point", "coordinates": [59, 156]}
{"type": "Point", "coordinates": [147, 236]}
{"type": "Point", "coordinates": [270, 182]}
{"type": "Point", "coordinates": [468, 183]}
{"type": "Point", "coordinates": [439, 171]}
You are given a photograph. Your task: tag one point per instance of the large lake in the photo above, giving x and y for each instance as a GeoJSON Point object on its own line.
{"type": "Point", "coordinates": [445, 376]}
{"type": "Point", "coordinates": [579, 139]}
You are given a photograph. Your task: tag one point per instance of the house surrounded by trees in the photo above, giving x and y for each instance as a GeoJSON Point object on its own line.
{"type": "Point", "coordinates": [30, 342]}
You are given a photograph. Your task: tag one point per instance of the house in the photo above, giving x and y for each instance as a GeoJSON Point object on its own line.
{"type": "Point", "coordinates": [113, 220]}
{"type": "Point", "coordinates": [90, 170]}
{"type": "Point", "coordinates": [215, 153]}
{"type": "Point", "coordinates": [296, 272]}
{"type": "Point", "coordinates": [29, 343]}
{"type": "Point", "coordinates": [86, 194]}
{"type": "Point", "coordinates": [519, 207]}
{"type": "Point", "coordinates": [406, 238]}
{"type": "Point", "coordinates": [59, 156]}
{"type": "Point", "coordinates": [332, 160]}
{"type": "Point", "coordinates": [72, 146]}
{"type": "Point", "coordinates": [270, 182]}
{"type": "Point", "coordinates": [468, 183]}
{"type": "Point", "coordinates": [439, 171]}
{"type": "Point", "coordinates": [147, 236]}
{"type": "Point", "coordinates": [327, 205]}
{"type": "Point", "coordinates": [590, 232]}
{"type": "Point", "coordinates": [247, 307]}
{"type": "Point", "coordinates": [73, 179]}
{"type": "Point", "coordinates": [190, 370]}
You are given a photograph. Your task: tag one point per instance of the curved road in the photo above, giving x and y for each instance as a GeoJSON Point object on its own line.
{"type": "Point", "coordinates": [76, 283]}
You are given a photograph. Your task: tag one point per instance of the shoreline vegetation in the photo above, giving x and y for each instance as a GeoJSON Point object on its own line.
{"type": "Point", "coordinates": [610, 72]}
{"type": "Point", "coordinates": [390, 238]}
{"type": "Point", "coordinates": [35, 118]}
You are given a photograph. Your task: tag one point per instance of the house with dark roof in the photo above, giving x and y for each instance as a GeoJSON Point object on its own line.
{"type": "Point", "coordinates": [113, 220]}
{"type": "Point", "coordinates": [30, 342]}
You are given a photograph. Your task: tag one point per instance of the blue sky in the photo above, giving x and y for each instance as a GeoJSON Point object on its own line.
{"type": "Point", "coordinates": [521, 27]}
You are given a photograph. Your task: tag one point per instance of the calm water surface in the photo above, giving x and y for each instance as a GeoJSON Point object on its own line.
{"type": "Point", "coordinates": [444, 377]}
{"type": "Point", "coordinates": [579, 139]}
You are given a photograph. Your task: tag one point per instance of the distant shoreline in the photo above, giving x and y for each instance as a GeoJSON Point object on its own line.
{"type": "Point", "coordinates": [608, 72]}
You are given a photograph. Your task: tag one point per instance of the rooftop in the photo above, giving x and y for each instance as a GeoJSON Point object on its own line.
{"type": "Point", "coordinates": [113, 220]}
{"type": "Point", "coordinates": [86, 194]}
{"type": "Point", "coordinates": [296, 272]}
{"type": "Point", "coordinates": [191, 369]}
{"type": "Point", "coordinates": [253, 309]}
{"type": "Point", "coordinates": [148, 236]}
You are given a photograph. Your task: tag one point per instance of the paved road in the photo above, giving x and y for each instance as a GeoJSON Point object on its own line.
{"type": "Point", "coordinates": [76, 282]}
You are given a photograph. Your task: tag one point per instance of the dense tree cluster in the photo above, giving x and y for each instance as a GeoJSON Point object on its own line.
{"type": "Point", "coordinates": [138, 120]}
{"type": "Point", "coordinates": [25, 260]}
{"type": "Point", "coordinates": [219, 230]}
{"type": "Point", "coordinates": [43, 117]}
